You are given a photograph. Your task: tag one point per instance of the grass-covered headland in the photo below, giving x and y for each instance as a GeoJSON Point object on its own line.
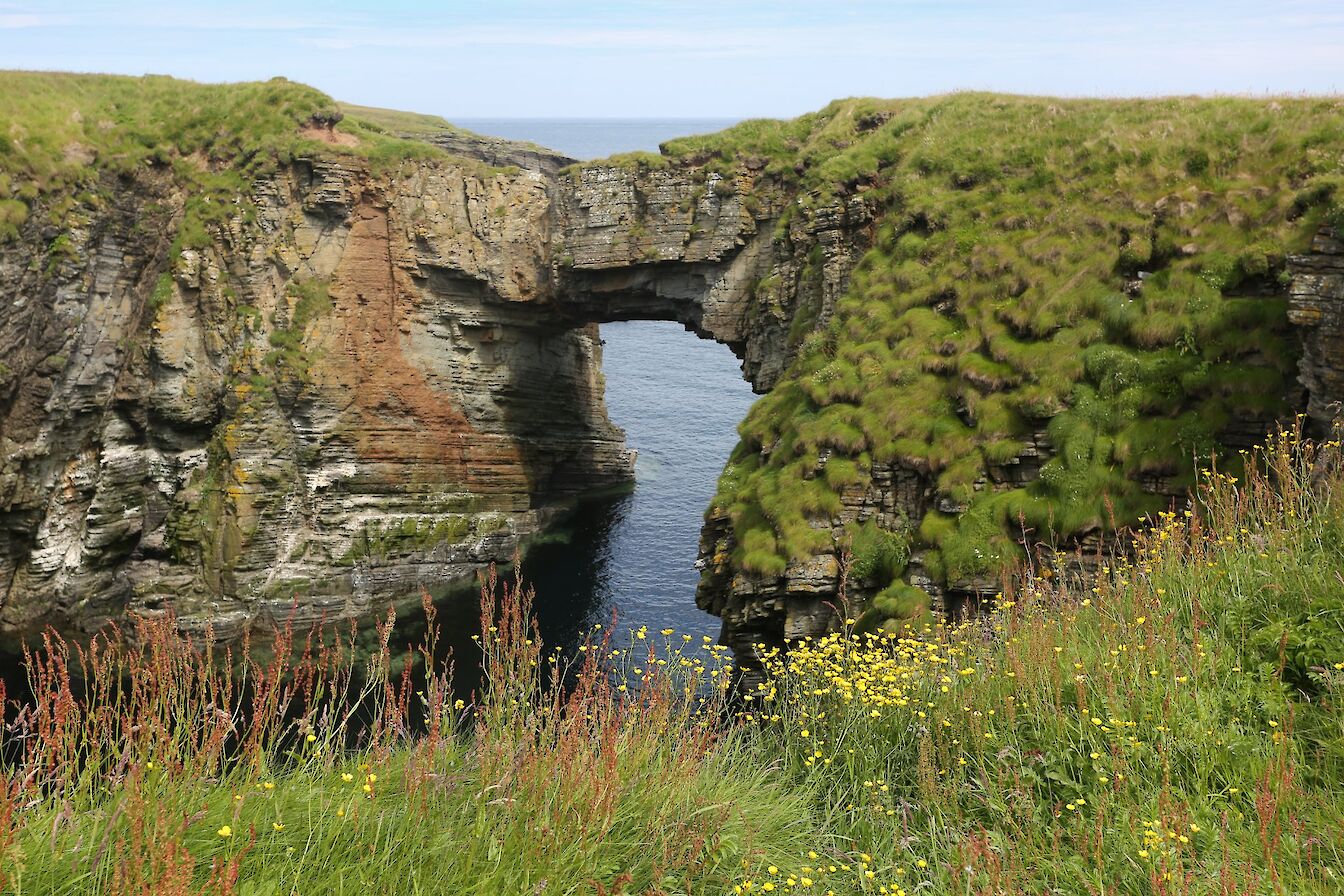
{"type": "Point", "coordinates": [1175, 729]}
{"type": "Point", "coordinates": [69, 143]}
{"type": "Point", "coordinates": [1104, 276]}
{"type": "Point", "coordinates": [1098, 286]}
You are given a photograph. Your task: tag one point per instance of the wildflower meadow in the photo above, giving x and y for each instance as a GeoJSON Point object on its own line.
{"type": "Point", "coordinates": [1162, 721]}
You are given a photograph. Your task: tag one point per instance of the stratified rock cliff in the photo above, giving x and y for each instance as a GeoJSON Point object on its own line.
{"type": "Point", "coordinates": [332, 366]}
{"type": "Point", "coordinates": [1317, 307]}
{"type": "Point", "coordinates": [1046, 318]}
{"type": "Point", "coordinates": [347, 394]}
{"type": "Point", "coordinates": [364, 383]}
{"type": "Point", "coordinates": [690, 244]}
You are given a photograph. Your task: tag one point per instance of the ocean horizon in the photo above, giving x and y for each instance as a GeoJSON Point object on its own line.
{"type": "Point", "coordinates": [594, 138]}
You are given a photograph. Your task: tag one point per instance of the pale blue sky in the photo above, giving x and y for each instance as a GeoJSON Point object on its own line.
{"type": "Point", "coordinates": [732, 58]}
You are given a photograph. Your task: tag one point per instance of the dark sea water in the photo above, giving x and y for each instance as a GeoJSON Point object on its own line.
{"type": "Point", "coordinates": [679, 399]}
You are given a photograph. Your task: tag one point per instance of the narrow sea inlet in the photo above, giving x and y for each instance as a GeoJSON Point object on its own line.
{"type": "Point", "coordinates": [630, 557]}
{"type": "Point", "coordinates": [679, 400]}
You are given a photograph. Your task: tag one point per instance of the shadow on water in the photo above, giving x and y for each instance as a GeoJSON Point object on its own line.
{"type": "Point", "coordinates": [572, 573]}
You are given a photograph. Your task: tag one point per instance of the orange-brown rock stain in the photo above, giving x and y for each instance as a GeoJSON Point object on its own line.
{"type": "Point", "coordinates": [402, 424]}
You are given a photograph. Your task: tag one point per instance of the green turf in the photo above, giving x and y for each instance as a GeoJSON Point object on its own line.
{"type": "Point", "coordinates": [993, 304]}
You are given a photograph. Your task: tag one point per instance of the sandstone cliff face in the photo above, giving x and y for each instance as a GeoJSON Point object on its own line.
{"type": "Point", "coordinates": [1316, 305]}
{"type": "Point", "coordinates": [347, 395]}
{"type": "Point", "coordinates": [365, 384]}
{"type": "Point", "coordinates": [697, 247]}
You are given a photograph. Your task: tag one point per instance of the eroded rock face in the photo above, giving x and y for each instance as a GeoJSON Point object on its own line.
{"type": "Point", "coordinates": [1316, 305]}
{"type": "Point", "coordinates": [349, 394]}
{"type": "Point", "coordinates": [365, 383]}
{"type": "Point", "coordinates": [696, 247]}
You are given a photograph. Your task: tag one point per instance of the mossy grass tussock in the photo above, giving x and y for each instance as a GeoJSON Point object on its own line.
{"type": "Point", "coordinates": [1106, 278]}
{"type": "Point", "coordinates": [1172, 727]}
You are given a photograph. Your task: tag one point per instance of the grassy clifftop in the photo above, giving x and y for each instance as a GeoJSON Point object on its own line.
{"type": "Point", "coordinates": [60, 134]}
{"type": "Point", "coordinates": [1110, 272]}
{"type": "Point", "coordinates": [1101, 277]}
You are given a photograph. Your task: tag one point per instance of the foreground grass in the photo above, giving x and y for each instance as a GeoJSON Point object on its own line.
{"type": "Point", "coordinates": [411, 822]}
{"type": "Point", "coordinates": [154, 790]}
{"type": "Point", "coordinates": [1172, 728]}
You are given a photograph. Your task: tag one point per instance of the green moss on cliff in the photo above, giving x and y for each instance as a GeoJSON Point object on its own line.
{"type": "Point", "coordinates": [877, 553]}
{"type": "Point", "coordinates": [393, 539]}
{"type": "Point", "coordinates": [309, 299]}
{"type": "Point", "coordinates": [13, 213]}
{"type": "Point", "coordinates": [162, 294]}
{"type": "Point", "coordinates": [1102, 271]}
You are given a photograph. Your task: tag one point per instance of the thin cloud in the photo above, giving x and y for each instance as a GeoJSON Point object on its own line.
{"type": "Point", "coordinates": [14, 20]}
{"type": "Point", "coordinates": [155, 17]}
{"type": "Point", "coordinates": [681, 39]}
{"type": "Point", "coordinates": [226, 22]}
{"type": "Point", "coordinates": [695, 56]}
{"type": "Point", "coordinates": [1070, 35]}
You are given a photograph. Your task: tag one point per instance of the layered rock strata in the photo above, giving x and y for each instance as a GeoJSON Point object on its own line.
{"type": "Point", "coordinates": [347, 395]}
{"type": "Point", "coordinates": [364, 384]}
{"type": "Point", "coordinates": [1316, 305]}
{"type": "Point", "coordinates": [703, 249]}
